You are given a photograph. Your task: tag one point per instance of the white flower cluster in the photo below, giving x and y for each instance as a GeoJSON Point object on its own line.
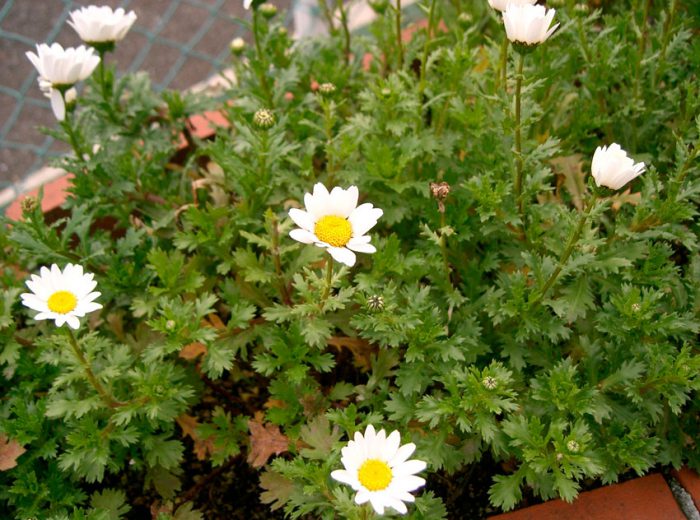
{"type": "Point", "coordinates": [59, 69]}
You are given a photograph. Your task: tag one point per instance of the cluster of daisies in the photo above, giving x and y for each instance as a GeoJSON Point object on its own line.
{"type": "Point", "coordinates": [60, 69]}
{"type": "Point", "coordinates": [376, 465]}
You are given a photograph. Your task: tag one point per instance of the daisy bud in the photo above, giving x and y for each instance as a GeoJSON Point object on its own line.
{"type": "Point", "coordinates": [528, 25]}
{"type": "Point", "coordinates": [378, 6]}
{"type": "Point", "coordinates": [572, 446]}
{"type": "Point", "coordinates": [326, 89]}
{"type": "Point", "coordinates": [490, 383]}
{"type": "Point", "coordinates": [465, 20]}
{"type": "Point", "coordinates": [612, 168]}
{"type": "Point", "coordinates": [375, 302]}
{"type": "Point", "coordinates": [237, 46]}
{"type": "Point", "coordinates": [581, 8]}
{"type": "Point", "coordinates": [28, 204]}
{"type": "Point", "coordinates": [501, 5]}
{"type": "Point", "coordinates": [268, 10]}
{"type": "Point", "coordinates": [377, 467]}
{"type": "Point", "coordinates": [264, 119]}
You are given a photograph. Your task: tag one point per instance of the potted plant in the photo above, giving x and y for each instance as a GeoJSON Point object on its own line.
{"type": "Point", "coordinates": [430, 282]}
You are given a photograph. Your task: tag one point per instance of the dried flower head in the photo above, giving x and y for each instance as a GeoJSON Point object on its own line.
{"type": "Point", "coordinates": [440, 191]}
{"type": "Point", "coordinates": [264, 118]}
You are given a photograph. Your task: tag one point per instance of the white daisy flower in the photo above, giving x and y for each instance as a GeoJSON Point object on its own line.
{"type": "Point", "coordinates": [379, 470]}
{"type": "Point", "coordinates": [100, 24]}
{"type": "Point", "coordinates": [335, 221]}
{"type": "Point", "coordinates": [62, 296]}
{"type": "Point", "coordinates": [612, 167]}
{"type": "Point", "coordinates": [528, 24]}
{"type": "Point", "coordinates": [501, 5]}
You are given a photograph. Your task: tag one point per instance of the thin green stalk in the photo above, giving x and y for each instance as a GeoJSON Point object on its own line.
{"type": "Point", "coordinates": [67, 125]}
{"type": "Point", "coordinates": [329, 279]}
{"type": "Point", "coordinates": [346, 30]}
{"type": "Point", "coordinates": [668, 23]}
{"type": "Point", "coordinates": [582, 39]}
{"type": "Point", "coordinates": [443, 247]}
{"type": "Point", "coordinates": [424, 60]}
{"type": "Point", "coordinates": [642, 47]}
{"type": "Point", "coordinates": [327, 15]}
{"type": "Point", "coordinates": [262, 61]}
{"type": "Point", "coordinates": [275, 240]}
{"type": "Point", "coordinates": [573, 239]}
{"type": "Point", "coordinates": [106, 397]}
{"type": "Point", "coordinates": [518, 140]}
{"type": "Point", "coordinates": [399, 43]}
{"type": "Point", "coordinates": [502, 79]}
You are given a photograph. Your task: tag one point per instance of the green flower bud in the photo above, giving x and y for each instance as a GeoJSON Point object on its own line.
{"type": "Point", "coordinates": [264, 119]}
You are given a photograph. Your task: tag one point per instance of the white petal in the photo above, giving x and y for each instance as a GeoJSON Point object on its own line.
{"type": "Point", "coordinates": [303, 236]}
{"type": "Point", "coordinates": [58, 105]}
{"type": "Point", "coordinates": [410, 467]}
{"type": "Point", "coordinates": [343, 202]}
{"type": "Point", "coordinates": [402, 454]}
{"type": "Point", "coordinates": [73, 322]}
{"type": "Point", "coordinates": [344, 476]}
{"type": "Point", "coordinates": [364, 218]}
{"type": "Point", "coordinates": [302, 219]}
{"type": "Point", "coordinates": [343, 255]}
{"type": "Point", "coordinates": [360, 247]}
{"type": "Point", "coordinates": [318, 202]}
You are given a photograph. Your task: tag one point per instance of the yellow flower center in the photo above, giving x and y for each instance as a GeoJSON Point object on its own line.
{"type": "Point", "coordinates": [333, 230]}
{"type": "Point", "coordinates": [374, 474]}
{"type": "Point", "coordinates": [62, 302]}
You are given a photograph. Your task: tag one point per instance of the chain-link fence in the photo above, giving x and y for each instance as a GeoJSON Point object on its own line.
{"type": "Point", "coordinates": [178, 42]}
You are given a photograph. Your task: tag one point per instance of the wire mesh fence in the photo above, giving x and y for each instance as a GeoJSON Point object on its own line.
{"type": "Point", "coordinates": [178, 42]}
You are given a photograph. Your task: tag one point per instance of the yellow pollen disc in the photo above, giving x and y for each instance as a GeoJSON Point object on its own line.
{"type": "Point", "coordinates": [374, 474]}
{"type": "Point", "coordinates": [333, 230]}
{"type": "Point", "coordinates": [62, 302]}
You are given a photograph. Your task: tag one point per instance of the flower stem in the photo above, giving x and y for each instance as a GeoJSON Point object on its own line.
{"type": "Point", "coordinates": [106, 397]}
{"type": "Point", "coordinates": [642, 47]}
{"type": "Point", "coordinates": [275, 240]}
{"type": "Point", "coordinates": [443, 247]}
{"type": "Point", "coordinates": [518, 140]}
{"type": "Point", "coordinates": [399, 43]}
{"type": "Point", "coordinates": [67, 125]}
{"type": "Point", "coordinates": [668, 23]}
{"type": "Point", "coordinates": [262, 62]}
{"type": "Point", "coordinates": [328, 16]}
{"type": "Point", "coordinates": [573, 239]}
{"type": "Point", "coordinates": [329, 280]}
{"type": "Point", "coordinates": [424, 60]}
{"type": "Point", "coordinates": [346, 30]}
{"type": "Point", "coordinates": [502, 70]}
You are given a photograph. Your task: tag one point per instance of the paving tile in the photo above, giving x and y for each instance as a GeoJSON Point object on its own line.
{"type": "Point", "coordinates": [646, 498]}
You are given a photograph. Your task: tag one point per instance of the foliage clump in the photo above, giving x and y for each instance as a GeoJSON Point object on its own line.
{"type": "Point", "coordinates": [513, 308]}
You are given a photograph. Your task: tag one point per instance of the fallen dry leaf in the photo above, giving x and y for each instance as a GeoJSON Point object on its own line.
{"type": "Point", "coordinates": [202, 447]}
{"type": "Point", "coordinates": [361, 349]}
{"type": "Point", "coordinates": [9, 452]}
{"type": "Point", "coordinates": [265, 441]}
{"type": "Point", "coordinates": [626, 197]}
{"type": "Point", "coordinates": [192, 350]}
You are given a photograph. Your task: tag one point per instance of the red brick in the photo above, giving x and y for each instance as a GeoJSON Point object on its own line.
{"type": "Point", "coordinates": [690, 480]}
{"type": "Point", "coordinates": [54, 196]}
{"type": "Point", "coordinates": [647, 498]}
